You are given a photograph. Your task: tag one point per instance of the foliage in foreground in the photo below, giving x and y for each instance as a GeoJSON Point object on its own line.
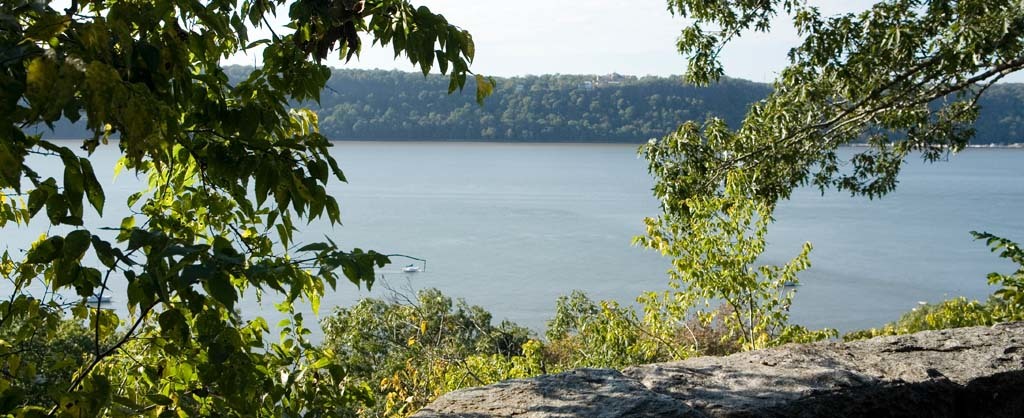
{"type": "Point", "coordinates": [714, 243]}
{"type": "Point", "coordinates": [1006, 304]}
{"type": "Point", "coordinates": [904, 76]}
{"type": "Point", "coordinates": [407, 352]}
{"type": "Point", "coordinates": [718, 299]}
{"type": "Point", "coordinates": [231, 170]}
{"type": "Point", "coordinates": [47, 360]}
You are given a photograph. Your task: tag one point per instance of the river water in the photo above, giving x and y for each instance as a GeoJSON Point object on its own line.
{"type": "Point", "coordinates": [511, 227]}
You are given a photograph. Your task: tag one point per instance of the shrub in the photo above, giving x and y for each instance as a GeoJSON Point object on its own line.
{"type": "Point", "coordinates": [410, 351]}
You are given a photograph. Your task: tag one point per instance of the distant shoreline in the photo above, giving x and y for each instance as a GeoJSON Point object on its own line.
{"type": "Point", "coordinates": [1015, 145]}
{"type": "Point", "coordinates": [1012, 145]}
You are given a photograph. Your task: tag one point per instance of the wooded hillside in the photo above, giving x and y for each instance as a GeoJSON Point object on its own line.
{"type": "Point", "coordinates": [395, 105]}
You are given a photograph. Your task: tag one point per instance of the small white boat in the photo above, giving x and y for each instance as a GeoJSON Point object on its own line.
{"type": "Point", "coordinates": [411, 269]}
{"type": "Point", "coordinates": [94, 299]}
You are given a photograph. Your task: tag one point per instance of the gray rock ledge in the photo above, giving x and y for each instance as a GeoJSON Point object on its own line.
{"type": "Point", "coordinates": [965, 372]}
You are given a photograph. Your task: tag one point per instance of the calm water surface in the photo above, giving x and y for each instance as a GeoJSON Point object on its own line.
{"type": "Point", "coordinates": [512, 227]}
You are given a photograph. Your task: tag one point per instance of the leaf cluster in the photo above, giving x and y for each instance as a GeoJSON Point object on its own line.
{"type": "Point", "coordinates": [231, 168]}
{"type": "Point", "coordinates": [904, 76]}
{"type": "Point", "coordinates": [714, 243]}
{"type": "Point", "coordinates": [409, 351]}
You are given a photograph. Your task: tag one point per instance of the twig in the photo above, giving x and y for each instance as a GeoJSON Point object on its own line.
{"type": "Point", "coordinates": [96, 361]}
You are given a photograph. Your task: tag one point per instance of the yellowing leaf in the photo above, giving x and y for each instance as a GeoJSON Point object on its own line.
{"type": "Point", "coordinates": [40, 77]}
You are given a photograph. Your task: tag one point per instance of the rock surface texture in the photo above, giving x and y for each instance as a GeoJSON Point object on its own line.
{"type": "Point", "coordinates": [966, 372]}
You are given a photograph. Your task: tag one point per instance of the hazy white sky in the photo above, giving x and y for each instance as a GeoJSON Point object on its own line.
{"type": "Point", "coordinates": [593, 37]}
{"type": "Point", "coordinates": [590, 37]}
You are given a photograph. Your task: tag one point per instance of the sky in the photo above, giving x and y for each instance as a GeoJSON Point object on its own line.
{"type": "Point", "coordinates": [634, 37]}
{"type": "Point", "coordinates": [590, 37]}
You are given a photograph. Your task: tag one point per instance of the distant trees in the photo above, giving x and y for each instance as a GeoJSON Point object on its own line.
{"type": "Point", "coordinates": [392, 105]}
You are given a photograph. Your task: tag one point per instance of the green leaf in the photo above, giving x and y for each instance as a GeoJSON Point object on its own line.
{"type": "Point", "coordinates": [126, 402]}
{"type": "Point", "coordinates": [126, 228]}
{"type": "Point", "coordinates": [139, 238]}
{"type": "Point", "coordinates": [74, 186]}
{"type": "Point", "coordinates": [76, 244]}
{"type": "Point", "coordinates": [66, 274]}
{"type": "Point", "coordinates": [93, 189]}
{"type": "Point", "coordinates": [71, 220]}
{"type": "Point", "coordinates": [10, 166]}
{"type": "Point", "coordinates": [220, 288]}
{"type": "Point", "coordinates": [86, 281]}
{"type": "Point", "coordinates": [46, 250]}
{"type": "Point", "coordinates": [271, 219]}
{"type": "Point", "coordinates": [40, 78]}
{"type": "Point", "coordinates": [56, 208]}
{"type": "Point", "coordinates": [320, 363]}
{"type": "Point", "coordinates": [182, 250]}
{"type": "Point", "coordinates": [174, 327]}
{"type": "Point", "coordinates": [103, 251]}
{"type": "Point", "coordinates": [36, 200]}
{"type": "Point", "coordinates": [442, 61]}
{"type": "Point", "coordinates": [283, 234]}
{"type": "Point", "coordinates": [317, 246]}
{"type": "Point", "coordinates": [266, 179]}
{"type": "Point", "coordinates": [340, 175]}
{"type": "Point", "coordinates": [159, 399]}
{"type": "Point", "coordinates": [318, 169]}
{"type": "Point", "coordinates": [333, 212]}
{"type": "Point", "coordinates": [134, 198]}
{"type": "Point", "coordinates": [195, 273]}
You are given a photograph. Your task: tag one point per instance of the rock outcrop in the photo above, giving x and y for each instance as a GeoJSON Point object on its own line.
{"type": "Point", "coordinates": [966, 372]}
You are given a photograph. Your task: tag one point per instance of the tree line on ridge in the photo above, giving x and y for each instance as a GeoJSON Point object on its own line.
{"type": "Point", "coordinates": [403, 106]}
